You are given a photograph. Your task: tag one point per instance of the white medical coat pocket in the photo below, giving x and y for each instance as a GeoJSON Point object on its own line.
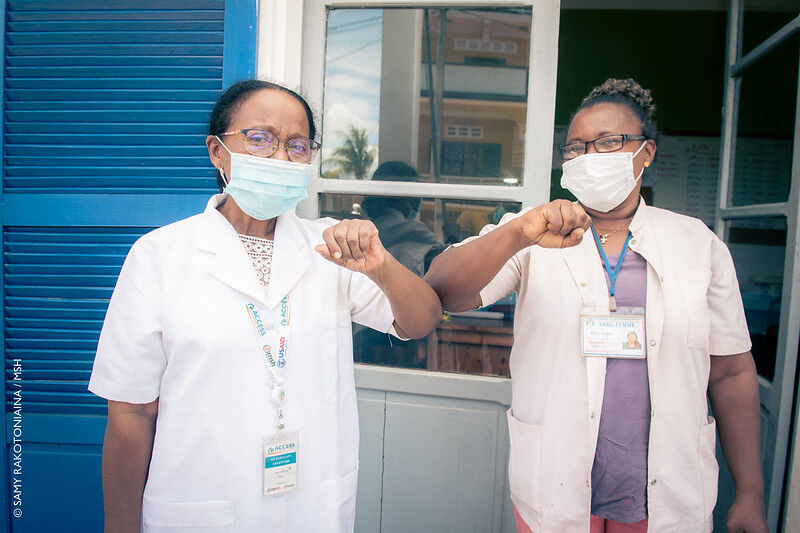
{"type": "Point", "coordinates": [709, 469]}
{"type": "Point", "coordinates": [524, 464]}
{"type": "Point", "coordinates": [338, 502]}
{"type": "Point", "coordinates": [197, 517]}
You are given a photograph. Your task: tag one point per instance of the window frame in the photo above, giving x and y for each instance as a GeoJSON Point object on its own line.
{"type": "Point", "coordinates": [777, 395]}
{"type": "Point", "coordinates": [539, 121]}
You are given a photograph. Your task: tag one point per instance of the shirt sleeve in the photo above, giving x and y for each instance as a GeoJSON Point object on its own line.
{"type": "Point", "coordinates": [130, 356]}
{"type": "Point", "coordinates": [369, 306]}
{"type": "Point", "coordinates": [508, 278]}
{"type": "Point", "coordinates": [728, 334]}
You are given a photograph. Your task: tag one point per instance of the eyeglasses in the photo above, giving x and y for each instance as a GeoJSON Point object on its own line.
{"type": "Point", "coordinates": [263, 144]}
{"type": "Point", "coordinates": [609, 143]}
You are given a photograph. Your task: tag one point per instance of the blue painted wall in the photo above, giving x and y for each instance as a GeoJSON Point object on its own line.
{"type": "Point", "coordinates": [105, 109]}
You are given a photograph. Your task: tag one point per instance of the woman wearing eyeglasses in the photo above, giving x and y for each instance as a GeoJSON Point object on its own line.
{"type": "Point", "coordinates": [226, 352]}
{"type": "Point", "coordinates": [609, 435]}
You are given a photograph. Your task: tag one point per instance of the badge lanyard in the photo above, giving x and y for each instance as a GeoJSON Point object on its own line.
{"type": "Point", "coordinates": [280, 449]}
{"type": "Point", "coordinates": [612, 273]}
{"type": "Point", "coordinates": [275, 362]}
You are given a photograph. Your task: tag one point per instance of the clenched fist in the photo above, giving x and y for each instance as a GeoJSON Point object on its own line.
{"type": "Point", "coordinates": [558, 224]}
{"type": "Point", "coordinates": [354, 245]}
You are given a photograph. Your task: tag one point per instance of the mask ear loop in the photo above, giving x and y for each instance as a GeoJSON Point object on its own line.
{"type": "Point", "coordinates": [646, 163]}
{"type": "Point", "coordinates": [222, 172]}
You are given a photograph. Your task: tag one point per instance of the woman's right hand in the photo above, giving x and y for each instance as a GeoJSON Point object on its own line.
{"type": "Point", "coordinates": [558, 224]}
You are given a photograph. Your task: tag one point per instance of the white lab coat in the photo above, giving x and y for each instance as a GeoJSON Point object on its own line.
{"type": "Point", "coordinates": [177, 330]}
{"type": "Point", "coordinates": [694, 309]}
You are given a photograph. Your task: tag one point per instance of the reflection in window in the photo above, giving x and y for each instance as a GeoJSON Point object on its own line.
{"type": "Point", "coordinates": [758, 247]}
{"type": "Point", "coordinates": [414, 231]}
{"type": "Point", "coordinates": [444, 90]}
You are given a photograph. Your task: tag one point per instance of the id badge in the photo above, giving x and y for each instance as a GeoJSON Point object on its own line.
{"type": "Point", "coordinates": [280, 462]}
{"type": "Point", "coordinates": [619, 335]}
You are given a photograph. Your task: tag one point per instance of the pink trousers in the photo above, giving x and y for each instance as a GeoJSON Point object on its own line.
{"type": "Point", "coordinates": [596, 525]}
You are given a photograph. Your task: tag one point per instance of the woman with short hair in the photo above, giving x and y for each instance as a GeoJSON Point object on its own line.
{"type": "Point", "coordinates": [226, 353]}
{"type": "Point", "coordinates": [628, 319]}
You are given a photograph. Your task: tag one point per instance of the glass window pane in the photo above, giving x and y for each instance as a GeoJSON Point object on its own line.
{"type": "Point", "coordinates": [414, 231]}
{"type": "Point", "coordinates": [765, 128]}
{"type": "Point", "coordinates": [758, 247]}
{"type": "Point", "coordinates": [444, 90]}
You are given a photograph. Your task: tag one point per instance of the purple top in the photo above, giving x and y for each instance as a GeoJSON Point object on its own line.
{"type": "Point", "coordinates": [619, 473]}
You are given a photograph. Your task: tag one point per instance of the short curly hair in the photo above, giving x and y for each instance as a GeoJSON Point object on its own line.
{"type": "Point", "coordinates": [625, 92]}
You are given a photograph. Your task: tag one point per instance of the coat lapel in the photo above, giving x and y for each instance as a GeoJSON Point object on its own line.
{"type": "Point", "coordinates": [586, 270]}
{"type": "Point", "coordinates": [233, 266]}
{"type": "Point", "coordinates": [291, 257]}
{"type": "Point", "coordinates": [645, 243]}
{"type": "Point", "coordinates": [230, 263]}
{"type": "Point", "coordinates": [583, 263]}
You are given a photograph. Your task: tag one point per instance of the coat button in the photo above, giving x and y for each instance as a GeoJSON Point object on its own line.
{"type": "Point", "coordinates": [652, 482]}
{"type": "Point", "coordinates": [633, 241]}
{"type": "Point", "coordinates": [652, 342]}
{"type": "Point", "coordinates": [592, 415]}
{"type": "Point", "coordinates": [583, 284]}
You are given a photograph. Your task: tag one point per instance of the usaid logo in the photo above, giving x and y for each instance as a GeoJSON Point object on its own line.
{"type": "Point", "coordinates": [285, 311]}
{"type": "Point", "coordinates": [282, 352]}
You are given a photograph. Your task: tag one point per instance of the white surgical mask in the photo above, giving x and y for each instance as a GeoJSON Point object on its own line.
{"type": "Point", "coordinates": [601, 181]}
{"type": "Point", "coordinates": [264, 187]}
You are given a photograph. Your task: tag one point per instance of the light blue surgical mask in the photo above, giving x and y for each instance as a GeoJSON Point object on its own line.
{"type": "Point", "coordinates": [264, 187]}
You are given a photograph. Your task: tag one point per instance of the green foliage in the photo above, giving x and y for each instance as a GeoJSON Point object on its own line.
{"type": "Point", "coordinates": [354, 157]}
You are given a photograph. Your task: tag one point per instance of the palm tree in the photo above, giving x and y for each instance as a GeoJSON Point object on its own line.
{"type": "Point", "coordinates": [355, 156]}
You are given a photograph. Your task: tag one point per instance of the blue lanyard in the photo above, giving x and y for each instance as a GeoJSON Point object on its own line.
{"type": "Point", "coordinates": [612, 273]}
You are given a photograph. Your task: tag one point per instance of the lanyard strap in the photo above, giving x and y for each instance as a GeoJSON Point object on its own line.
{"type": "Point", "coordinates": [273, 365]}
{"type": "Point", "coordinates": [612, 273]}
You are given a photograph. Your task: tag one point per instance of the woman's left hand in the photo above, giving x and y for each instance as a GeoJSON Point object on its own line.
{"type": "Point", "coordinates": [354, 245]}
{"type": "Point", "coordinates": [746, 515]}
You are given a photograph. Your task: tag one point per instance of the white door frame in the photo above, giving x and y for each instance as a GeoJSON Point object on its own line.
{"type": "Point", "coordinates": [777, 396]}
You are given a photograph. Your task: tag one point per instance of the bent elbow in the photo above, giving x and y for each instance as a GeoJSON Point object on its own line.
{"type": "Point", "coordinates": [423, 326]}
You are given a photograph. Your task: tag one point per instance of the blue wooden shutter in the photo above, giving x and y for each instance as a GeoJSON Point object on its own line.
{"type": "Point", "coordinates": [105, 112]}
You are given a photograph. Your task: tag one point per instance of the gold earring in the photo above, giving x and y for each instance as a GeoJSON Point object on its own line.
{"type": "Point", "coordinates": [647, 164]}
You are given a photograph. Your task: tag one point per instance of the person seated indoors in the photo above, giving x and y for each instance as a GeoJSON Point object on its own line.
{"type": "Point", "coordinates": [409, 241]}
